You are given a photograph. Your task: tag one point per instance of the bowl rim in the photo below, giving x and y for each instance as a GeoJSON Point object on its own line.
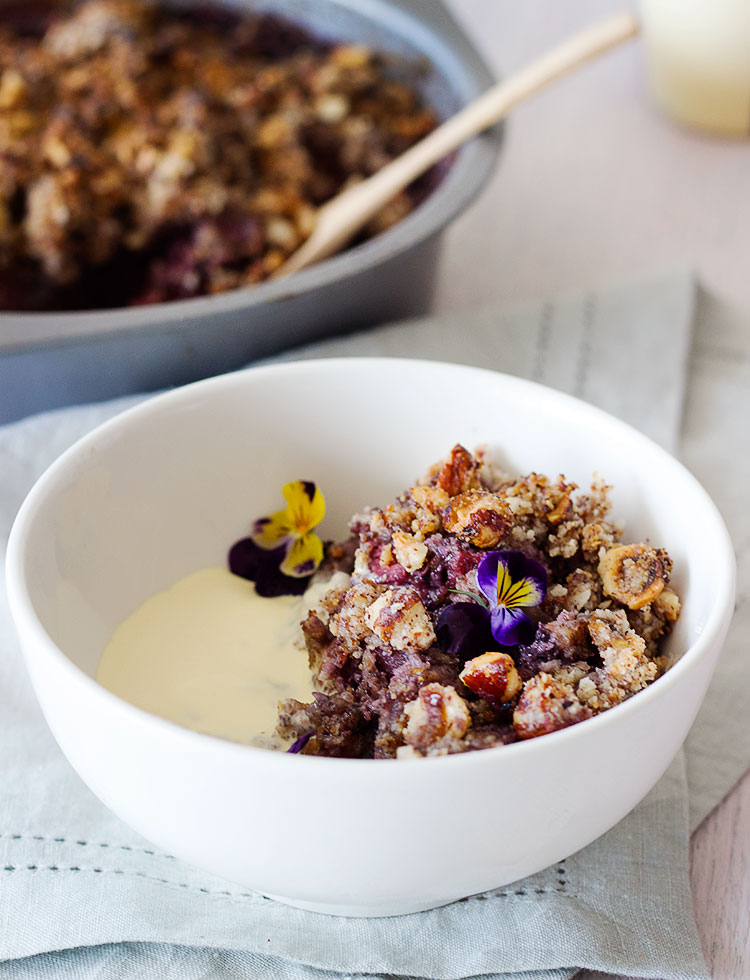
{"type": "Point", "coordinates": [26, 620]}
{"type": "Point", "coordinates": [467, 75]}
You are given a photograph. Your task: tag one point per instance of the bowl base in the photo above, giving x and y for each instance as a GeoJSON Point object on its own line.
{"type": "Point", "coordinates": [362, 911]}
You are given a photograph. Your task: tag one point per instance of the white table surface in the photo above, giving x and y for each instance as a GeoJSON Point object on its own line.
{"type": "Point", "coordinates": [594, 185]}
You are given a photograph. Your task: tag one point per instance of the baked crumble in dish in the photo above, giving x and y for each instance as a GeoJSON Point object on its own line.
{"type": "Point", "coordinates": [149, 155]}
{"type": "Point", "coordinates": [482, 609]}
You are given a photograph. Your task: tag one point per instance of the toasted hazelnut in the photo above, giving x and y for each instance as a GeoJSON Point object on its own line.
{"type": "Point", "coordinates": [351, 621]}
{"type": "Point", "coordinates": [410, 552]}
{"type": "Point", "coordinates": [668, 605]}
{"type": "Point", "coordinates": [613, 635]}
{"type": "Point", "coordinates": [273, 132]}
{"type": "Point", "coordinates": [332, 107]}
{"type": "Point", "coordinates": [627, 667]}
{"type": "Point", "coordinates": [351, 56]}
{"type": "Point", "coordinates": [436, 711]}
{"type": "Point", "coordinates": [479, 518]}
{"type": "Point", "coordinates": [56, 152]}
{"type": "Point", "coordinates": [634, 574]}
{"type": "Point", "coordinates": [12, 88]}
{"type": "Point", "coordinates": [568, 631]}
{"type": "Point", "coordinates": [430, 501]}
{"type": "Point", "coordinates": [399, 619]}
{"type": "Point", "coordinates": [431, 498]}
{"type": "Point", "coordinates": [458, 473]}
{"type": "Point", "coordinates": [546, 705]}
{"type": "Point", "coordinates": [493, 676]}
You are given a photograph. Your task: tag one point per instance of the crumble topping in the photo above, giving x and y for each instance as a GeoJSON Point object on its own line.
{"type": "Point", "coordinates": [148, 155]}
{"type": "Point", "coordinates": [390, 686]}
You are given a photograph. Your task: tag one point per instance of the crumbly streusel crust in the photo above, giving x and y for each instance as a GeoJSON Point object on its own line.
{"type": "Point", "coordinates": [386, 689]}
{"type": "Point", "coordinates": [148, 155]}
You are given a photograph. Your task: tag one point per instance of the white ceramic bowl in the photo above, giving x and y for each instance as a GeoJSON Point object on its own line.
{"type": "Point", "coordinates": [165, 488]}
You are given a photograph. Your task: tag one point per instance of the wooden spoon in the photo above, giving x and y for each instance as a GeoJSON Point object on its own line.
{"type": "Point", "coordinates": [345, 214]}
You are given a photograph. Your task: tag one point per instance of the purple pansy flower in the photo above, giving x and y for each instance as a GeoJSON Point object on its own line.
{"type": "Point", "coordinates": [283, 550]}
{"type": "Point", "coordinates": [263, 566]}
{"type": "Point", "coordinates": [300, 743]}
{"type": "Point", "coordinates": [512, 582]}
{"type": "Point", "coordinates": [463, 629]}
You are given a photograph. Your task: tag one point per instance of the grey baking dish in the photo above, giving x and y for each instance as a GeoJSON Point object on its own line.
{"type": "Point", "coordinates": [49, 360]}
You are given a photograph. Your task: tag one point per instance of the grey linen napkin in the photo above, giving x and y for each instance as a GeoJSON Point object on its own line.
{"type": "Point", "coordinates": [82, 896]}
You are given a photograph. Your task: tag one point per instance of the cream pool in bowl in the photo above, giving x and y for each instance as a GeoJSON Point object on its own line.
{"type": "Point", "coordinates": [160, 492]}
{"type": "Point", "coordinates": [211, 654]}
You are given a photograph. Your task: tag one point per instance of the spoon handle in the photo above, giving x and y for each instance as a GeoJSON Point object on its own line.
{"type": "Point", "coordinates": [345, 214]}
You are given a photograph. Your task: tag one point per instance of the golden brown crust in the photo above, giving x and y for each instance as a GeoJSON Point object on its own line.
{"type": "Point", "coordinates": [438, 714]}
{"type": "Point", "coordinates": [634, 574]}
{"type": "Point", "coordinates": [546, 705]}
{"type": "Point", "coordinates": [478, 517]}
{"type": "Point", "coordinates": [399, 619]}
{"type": "Point", "coordinates": [458, 473]}
{"type": "Point", "coordinates": [597, 642]}
{"type": "Point", "coordinates": [492, 676]}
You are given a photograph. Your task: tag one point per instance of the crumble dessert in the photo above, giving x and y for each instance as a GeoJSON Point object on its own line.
{"type": "Point", "coordinates": [149, 155]}
{"type": "Point", "coordinates": [482, 609]}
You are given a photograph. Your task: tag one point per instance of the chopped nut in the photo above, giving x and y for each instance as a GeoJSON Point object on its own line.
{"type": "Point", "coordinates": [627, 669]}
{"type": "Point", "coordinates": [478, 517]}
{"type": "Point", "coordinates": [596, 536]}
{"type": "Point", "coordinates": [281, 232]}
{"type": "Point", "coordinates": [275, 131]}
{"type": "Point", "coordinates": [493, 676]}
{"type": "Point", "coordinates": [386, 555]}
{"type": "Point", "coordinates": [12, 88]}
{"type": "Point", "coordinates": [634, 574]}
{"type": "Point", "coordinates": [351, 56]}
{"type": "Point", "coordinates": [351, 622]}
{"type": "Point", "coordinates": [436, 712]}
{"type": "Point", "coordinates": [361, 563]}
{"type": "Point", "coordinates": [568, 632]}
{"type": "Point", "coordinates": [430, 501]}
{"type": "Point", "coordinates": [431, 498]}
{"type": "Point", "coordinates": [560, 504]}
{"type": "Point", "coordinates": [667, 605]}
{"type": "Point", "coordinates": [564, 544]}
{"type": "Point", "coordinates": [410, 551]}
{"type": "Point", "coordinates": [583, 591]}
{"type": "Point", "coordinates": [546, 705]}
{"type": "Point", "coordinates": [56, 152]}
{"type": "Point", "coordinates": [332, 108]}
{"type": "Point", "coordinates": [458, 473]}
{"type": "Point", "coordinates": [399, 619]}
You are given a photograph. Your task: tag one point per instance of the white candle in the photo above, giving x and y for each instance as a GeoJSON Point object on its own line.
{"type": "Point", "coordinates": [698, 61]}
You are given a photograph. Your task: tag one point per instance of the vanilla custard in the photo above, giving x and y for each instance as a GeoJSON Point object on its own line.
{"type": "Point", "coordinates": [210, 654]}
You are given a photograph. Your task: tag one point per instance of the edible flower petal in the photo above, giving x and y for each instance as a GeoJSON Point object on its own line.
{"type": "Point", "coordinates": [282, 551]}
{"type": "Point", "coordinates": [511, 582]}
{"type": "Point", "coordinates": [300, 743]}
{"type": "Point", "coordinates": [263, 567]}
{"type": "Point", "coordinates": [272, 531]}
{"type": "Point", "coordinates": [305, 509]}
{"type": "Point", "coordinates": [512, 626]}
{"type": "Point", "coordinates": [463, 630]}
{"type": "Point", "coordinates": [305, 505]}
{"type": "Point", "coordinates": [303, 557]}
